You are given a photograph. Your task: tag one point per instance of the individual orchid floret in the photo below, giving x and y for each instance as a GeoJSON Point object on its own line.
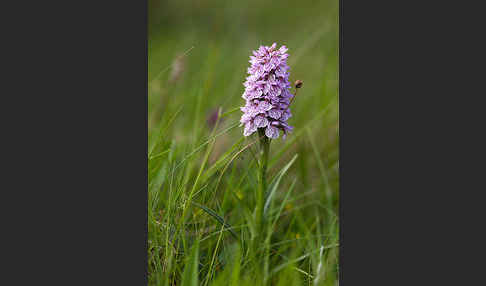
{"type": "Point", "coordinates": [267, 93]}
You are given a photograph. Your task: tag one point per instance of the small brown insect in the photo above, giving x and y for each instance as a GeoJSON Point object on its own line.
{"type": "Point", "coordinates": [298, 83]}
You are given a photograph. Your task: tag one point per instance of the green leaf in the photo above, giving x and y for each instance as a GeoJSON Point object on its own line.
{"type": "Point", "coordinates": [190, 276]}
{"type": "Point", "coordinates": [218, 218]}
{"type": "Point", "coordinates": [277, 182]}
{"type": "Point", "coordinates": [221, 161]}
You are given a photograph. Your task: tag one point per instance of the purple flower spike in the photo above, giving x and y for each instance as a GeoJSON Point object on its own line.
{"type": "Point", "coordinates": [267, 93]}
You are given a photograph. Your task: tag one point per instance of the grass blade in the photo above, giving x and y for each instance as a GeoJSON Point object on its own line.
{"type": "Point", "coordinates": [218, 218]}
{"type": "Point", "coordinates": [277, 182]}
{"type": "Point", "coordinates": [190, 276]}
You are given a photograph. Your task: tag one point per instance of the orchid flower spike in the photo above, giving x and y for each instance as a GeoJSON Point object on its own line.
{"type": "Point", "coordinates": [267, 93]}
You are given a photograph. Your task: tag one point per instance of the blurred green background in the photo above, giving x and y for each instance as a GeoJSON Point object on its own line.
{"type": "Point", "coordinates": [224, 33]}
{"type": "Point", "coordinates": [198, 58]}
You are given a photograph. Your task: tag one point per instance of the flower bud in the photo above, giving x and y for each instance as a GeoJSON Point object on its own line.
{"type": "Point", "coordinates": [298, 83]}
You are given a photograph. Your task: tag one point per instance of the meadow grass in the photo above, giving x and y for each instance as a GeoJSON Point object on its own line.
{"type": "Point", "coordinates": [203, 174]}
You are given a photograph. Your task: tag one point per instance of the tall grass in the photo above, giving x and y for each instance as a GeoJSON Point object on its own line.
{"type": "Point", "coordinates": [203, 174]}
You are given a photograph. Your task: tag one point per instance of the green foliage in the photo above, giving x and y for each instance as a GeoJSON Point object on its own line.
{"type": "Point", "coordinates": [203, 177]}
{"type": "Point", "coordinates": [190, 276]}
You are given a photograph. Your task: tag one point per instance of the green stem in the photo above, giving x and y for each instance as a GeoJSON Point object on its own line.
{"type": "Point", "coordinates": [264, 153]}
